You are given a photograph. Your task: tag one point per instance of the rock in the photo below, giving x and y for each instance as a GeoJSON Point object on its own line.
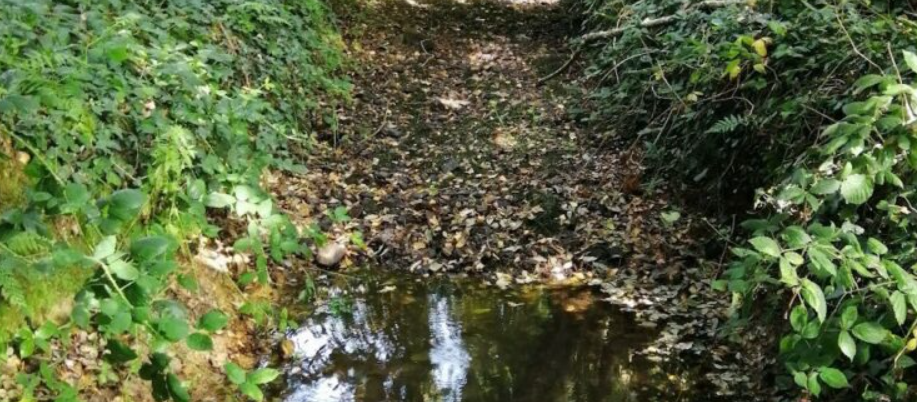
{"type": "Point", "coordinates": [392, 131]}
{"type": "Point", "coordinates": [330, 255]}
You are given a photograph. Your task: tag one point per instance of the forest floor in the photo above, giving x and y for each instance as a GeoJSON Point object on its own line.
{"type": "Point", "coordinates": [451, 158]}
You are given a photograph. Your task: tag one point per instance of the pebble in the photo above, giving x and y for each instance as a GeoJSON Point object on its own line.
{"type": "Point", "coordinates": [330, 255]}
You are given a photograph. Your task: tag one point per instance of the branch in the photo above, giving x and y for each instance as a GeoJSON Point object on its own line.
{"type": "Point", "coordinates": [655, 22]}
{"type": "Point", "coordinates": [562, 68]}
{"type": "Point", "coordinates": [646, 23]}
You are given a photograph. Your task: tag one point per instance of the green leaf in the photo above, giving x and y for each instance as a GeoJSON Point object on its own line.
{"type": "Point", "coordinates": [124, 270]}
{"type": "Point", "coordinates": [105, 248]}
{"type": "Point", "coordinates": [866, 82]}
{"type": "Point", "coordinates": [125, 204]}
{"type": "Point", "coordinates": [234, 373]}
{"type": "Point", "coordinates": [788, 273]}
{"type": "Point", "coordinates": [149, 248]}
{"type": "Point", "coordinates": [833, 377]}
{"type": "Point", "coordinates": [899, 306]}
{"type": "Point", "coordinates": [212, 321]}
{"type": "Point", "coordinates": [812, 385]}
{"type": "Point", "coordinates": [856, 189]}
{"type": "Point", "coordinates": [794, 258]}
{"type": "Point", "coordinates": [252, 391]}
{"type": "Point", "coordinates": [172, 328]}
{"type": "Point", "coordinates": [219, 200]}
{"type": "Point", "coordinates": [263, 376]}
{"type": "Point", "coordinates": [177, 389]}
{"type": "Point", "coordinates": [799, 317]}
{"type": "Point", "coordinates": [870, 332]}
{"type": "Point", "coordinates": [766, 245]}
{"type": "Point", "coordinates": [796, 236]}
{"type": "Point", "coordinates": [847, 345]}
{"type": "Point", "coordinates": [815, 298]}
{"type": "Point", "coordinates": [118, 352]}
{"type": "Point", "coordinates": [825, 187]}
{"type": "Point", "coordinates": [876, 246]}
{"type": "Point", "coordinates": [849, 317]}
{"type": "Point", "coordinates": [911, 60]}
{"type": "Point", "coordinates": [200, 342]}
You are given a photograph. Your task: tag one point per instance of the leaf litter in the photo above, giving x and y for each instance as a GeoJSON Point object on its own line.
{"type": "Point", "coordinates": [452, 159]}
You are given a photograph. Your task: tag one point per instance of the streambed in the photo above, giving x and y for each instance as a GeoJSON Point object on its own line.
{"type": "Point", "coordinates": [458, 339]}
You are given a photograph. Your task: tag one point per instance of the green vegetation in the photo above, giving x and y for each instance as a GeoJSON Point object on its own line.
{"type": "Point", "coordinates": [812, 100]}
{"type": "Point", "coordinates": [121, 123]}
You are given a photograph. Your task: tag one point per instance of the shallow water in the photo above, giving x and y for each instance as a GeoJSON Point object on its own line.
{"type": "Point", "coordinates": [454, 340]}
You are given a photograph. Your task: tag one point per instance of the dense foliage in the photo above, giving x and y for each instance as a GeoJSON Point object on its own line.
{"type": "Point", "coordinates": [727, 93]}
{"type": "Point", "coordinates": [815, 102]}
{"type": "Point", "coordinates": [121, 122]}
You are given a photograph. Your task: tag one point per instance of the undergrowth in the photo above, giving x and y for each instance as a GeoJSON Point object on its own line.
{"type": "Point", "coordinates": [813, 102]}
{"type": "Point", "coordinates": [121, 124]}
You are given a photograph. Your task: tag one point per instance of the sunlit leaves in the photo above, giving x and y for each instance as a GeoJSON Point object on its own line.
{"type": "Point", "coordinates": [870, 332]}
{"type": "Point", "coordinates": [833, 377]}
{"type": "Point", "coordinates": [212, 321]}
{"type": "Point", "coordinates": [856, 189]}
{"type": "Point", "coordinates": [815, 298]}
{"type": "Point", "coordinates": [847, 345]}
{"type": "Point", "coordinates": [766, 245]}
{"type": "Point", "coordinates": [911, 60]}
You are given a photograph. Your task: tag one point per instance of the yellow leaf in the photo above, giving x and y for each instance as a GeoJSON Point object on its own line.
{"type": "Point", "coordinates": [760, 47]}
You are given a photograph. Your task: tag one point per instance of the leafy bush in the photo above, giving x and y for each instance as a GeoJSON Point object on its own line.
{"type": "Point", "coordinates": [727, 93]}
{"type": "Point", "coordinates": [840, 245]}
{"type": "Point", "coordinates": [819, 98]}
{"type": "Point", "coordinates": [136, 117]}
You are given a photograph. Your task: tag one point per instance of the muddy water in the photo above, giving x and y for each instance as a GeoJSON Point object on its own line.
{"type": "Point", "coordinates": [454, 340]}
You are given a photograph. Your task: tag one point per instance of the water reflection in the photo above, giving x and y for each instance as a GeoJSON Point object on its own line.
{"type": "Point", "coordinates": [455, 340]}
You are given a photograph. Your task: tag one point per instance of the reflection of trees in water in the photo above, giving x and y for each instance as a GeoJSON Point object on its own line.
{"type": "Point", "coordinates": [538, 352]}
{"type": "Point", "coordinates": [451, 344]}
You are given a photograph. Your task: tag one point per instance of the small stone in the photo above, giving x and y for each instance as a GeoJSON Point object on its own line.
{"type": "Point", "coordinates": [330, 255]}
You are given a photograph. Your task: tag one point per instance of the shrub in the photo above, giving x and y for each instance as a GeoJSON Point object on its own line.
{"type": "Point", "coordinates": [137, 116]}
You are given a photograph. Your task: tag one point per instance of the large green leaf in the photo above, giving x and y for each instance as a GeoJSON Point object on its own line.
{"type": "Point", "coordinates": [911, 60]}
{"type": "Point", "coordinates": [126, 204]}
{"type": "Point", "coordinates": [149, 248]}
{"type": "Point", "coordinates": [870, 332]}
{"type": "Point", "coordinates": [856, 189]}
{"type": "Point", "coordinates": [212, 321]}
{"type": "Point", "coordinates": [177, 390]}
{"type": "Point", "coordinates": [815, 298]}
{"type": "Point", "coordinates": [766, 245]}
{"type": "Point", "coordinates": [833, 377]}
{"type": "Point", "coordinates": [172, 328]}
{"type": "Point", "coordinates": [847, 344]}
{"type": "Point", "coordinates": [199, 341]}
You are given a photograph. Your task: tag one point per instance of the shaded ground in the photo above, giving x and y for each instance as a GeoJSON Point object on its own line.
{"type": "Point", "coordinates": [451, 158]}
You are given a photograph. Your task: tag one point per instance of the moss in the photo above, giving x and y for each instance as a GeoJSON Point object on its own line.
{"type": "Point", "coordinates": [13, 180]}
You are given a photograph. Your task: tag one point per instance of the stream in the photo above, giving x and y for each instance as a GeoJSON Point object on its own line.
{"type": "Point", "coordinates": [459, 339]}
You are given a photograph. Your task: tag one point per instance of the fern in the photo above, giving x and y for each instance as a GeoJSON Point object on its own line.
{"type": "Point", "coordinates": [28, 244]}
{"type": "Point", "coordinates": [728, 124]}
{"type": "Point", "coordinates": [10, 286]}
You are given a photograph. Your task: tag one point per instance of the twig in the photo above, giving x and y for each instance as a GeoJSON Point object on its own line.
{"type": "Point", "coordinates": [854, 45]}
{"type": "Point", "coordinates": [384, 121]}
{"type": "Point", "coordinates": [654, 22]}
{"type": "Point", "coordinates": [562, 68]}
{"type": "Point", "coordinates": [646, 23]}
